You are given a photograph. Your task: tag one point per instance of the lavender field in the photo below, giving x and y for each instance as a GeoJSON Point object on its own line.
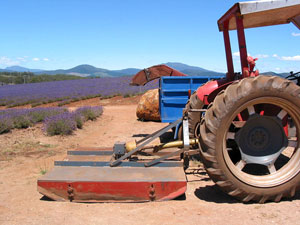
{"type": "Point", "coordinates": [68, 90]}
{"type": "Point", "coordinates": [55, 120]}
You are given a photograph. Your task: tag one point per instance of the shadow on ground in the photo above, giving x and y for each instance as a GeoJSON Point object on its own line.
{"type": "Point", "coordinates": [45, 198]}
{"type": "Point", "coordinates": [140, 135]}
{"type": "Point", "coordinates": [211, 193]}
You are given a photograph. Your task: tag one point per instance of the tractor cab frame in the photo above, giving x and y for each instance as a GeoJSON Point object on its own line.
{"type": "Point", "coordinates": [249, 15]}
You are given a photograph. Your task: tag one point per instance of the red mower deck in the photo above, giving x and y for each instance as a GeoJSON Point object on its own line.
{"type": "Point", "coordinates": [84, 181]}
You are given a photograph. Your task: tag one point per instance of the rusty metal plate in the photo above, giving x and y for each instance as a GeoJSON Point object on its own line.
{"type": "Point", "coordinates": [94, 183]}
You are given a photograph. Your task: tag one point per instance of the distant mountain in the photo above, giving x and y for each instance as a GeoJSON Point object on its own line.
{"type": "Point", "coordinates": [5, 70]}
{"type": "Point", "coordinates": [129, 71]}
{"type": "Point", "coordinates": [275, 74]}
{"type": "Point", "coordinates": [86, 70]}
{"type": "Point", "coordinates": [91, 71]}
{"type": "Point", "coordinates": [181, 67]}
{"type": "Point", "coordinates": [20, 69]}
{"type": "Point", "coordinates": [193, 70]}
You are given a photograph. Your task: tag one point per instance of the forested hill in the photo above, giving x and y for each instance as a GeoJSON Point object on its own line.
{"type": "Point", "coordinates": [29, 77]}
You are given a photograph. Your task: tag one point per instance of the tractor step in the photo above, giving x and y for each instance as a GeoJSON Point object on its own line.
{"type": "Point", "coordinates": [83, 177]}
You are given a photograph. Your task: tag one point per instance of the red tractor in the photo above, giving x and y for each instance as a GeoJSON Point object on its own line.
{"type": "Point", "coordinates": [249, 136]}
{"type": "Point", "coordinates": [247, 127]}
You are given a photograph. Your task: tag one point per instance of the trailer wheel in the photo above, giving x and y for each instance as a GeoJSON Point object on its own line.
{"type": "Point", "coordinates": [193, 117]}
{"type": "Point", "coordinates": [243, 143]}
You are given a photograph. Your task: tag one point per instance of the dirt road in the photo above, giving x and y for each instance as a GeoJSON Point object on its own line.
{"type": "Point", "coordinates": [26, 154]}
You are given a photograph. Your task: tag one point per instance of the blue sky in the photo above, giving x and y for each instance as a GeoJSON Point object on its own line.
{"type": "Point", "coordinates": [116, 34]}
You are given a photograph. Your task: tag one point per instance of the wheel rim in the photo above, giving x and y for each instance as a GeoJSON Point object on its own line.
{"type": "Point", "coordinates": [255, 147]}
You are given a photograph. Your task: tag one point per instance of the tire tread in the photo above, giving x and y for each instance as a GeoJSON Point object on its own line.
{"type": "Point", "coordinates": [221, 106]}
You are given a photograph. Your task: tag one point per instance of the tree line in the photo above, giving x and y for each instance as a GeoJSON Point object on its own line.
{"type": "Point", "coordinates": [29, 77]}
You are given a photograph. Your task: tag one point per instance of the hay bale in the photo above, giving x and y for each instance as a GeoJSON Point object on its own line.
{"type": "Point", "coordinates": [148, 106]}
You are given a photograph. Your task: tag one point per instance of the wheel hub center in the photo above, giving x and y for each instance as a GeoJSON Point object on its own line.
{"type": "Point", "coordinates": [261, 138]}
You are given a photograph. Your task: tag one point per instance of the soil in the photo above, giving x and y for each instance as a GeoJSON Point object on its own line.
{"type": "Point", "coordinates": [27, 154]}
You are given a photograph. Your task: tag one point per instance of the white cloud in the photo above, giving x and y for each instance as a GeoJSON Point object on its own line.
{"type": "Point", "coordinates": [261, 56]}
{"type": "Point", "coordinates": [296, 34]}
{"type": "Point", "coordinates": [8, 61]}
{"type": "Point", "coordinates": [277, 69]}
{"type": "Point", "coordinates": [22, 59]}
{"type": "Point", "coordinates": [236, 54]}
{"type": "Point", "coordinates": [291, 58]}
{"type": "Point", "coordinates": [287, 58]}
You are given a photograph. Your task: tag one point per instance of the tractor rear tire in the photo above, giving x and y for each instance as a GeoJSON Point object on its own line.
{"type": "Point", "coordinates": [250, 113]}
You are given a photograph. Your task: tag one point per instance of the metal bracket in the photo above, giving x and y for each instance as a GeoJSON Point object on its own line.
{"type": "Point", "coordinates": [119, 149]}
{"type": "Point", "coordinates": [155, 161]}
{"type": "Point", "coordinates": [197, 110]}
{"type": "Point", "coordinates": [146, 141]}
{"type": "Point", "coordinates": [186, 144]}
{"type": "Point", "coordinates": [186, 135]}
{"type": "Point", "coordinates": [147, 74]}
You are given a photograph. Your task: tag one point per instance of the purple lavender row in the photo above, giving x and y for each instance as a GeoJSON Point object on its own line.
{"type": "Point", "coordinates": [55, 120]}
{"type": "Point", "coordinates": [41, 93]}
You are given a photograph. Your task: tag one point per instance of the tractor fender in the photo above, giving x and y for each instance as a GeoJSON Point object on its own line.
{"type": "Point", "coordinates": [207, 92]}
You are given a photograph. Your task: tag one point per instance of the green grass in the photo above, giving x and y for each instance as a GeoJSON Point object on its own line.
{"type": "Point", "coordinates": [43, 171]}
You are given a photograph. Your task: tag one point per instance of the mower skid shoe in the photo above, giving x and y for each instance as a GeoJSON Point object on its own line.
{"type": "Point", "coordinates": [90, 181]}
